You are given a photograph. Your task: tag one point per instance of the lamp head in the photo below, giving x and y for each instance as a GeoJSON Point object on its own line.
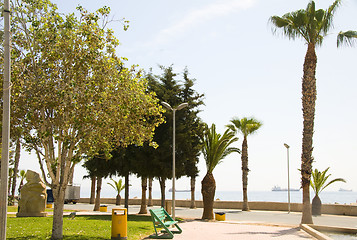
{"type": "Point", "coordinates": [166, 105]}
{"type": "Point", "coordinates": [182, 105]}
{"type": "Point", "coordinates": [286, 145]}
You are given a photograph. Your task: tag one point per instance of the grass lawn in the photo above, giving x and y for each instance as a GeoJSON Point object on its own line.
{"type": "Point", "coordinates": [81, 227]}
{"type": "Point", "coordinates": [14, 209]}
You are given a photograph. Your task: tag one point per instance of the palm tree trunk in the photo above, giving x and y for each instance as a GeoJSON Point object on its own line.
{"type": "Point", "coordinates": [16, 167]}
{"type": "Point", "coordinates": [208, 191]}
{"type": "Point", "coordinates": [316, 206]}
{"type": "Point", "coordinates": [162, 188]}
{"type": "Point", "coordinates": [150, 192]}
{"type": "Point", "coordinates": [117, 200]}
{"type": "Point", "coordinates": [245, 171]}
{"type": "Point", "coordinates": [308, 108]}
{"type": "Point", "coordinates": [92, 190]}
{"type": "Point", "coordinates": [143, 207]}
{"type": "Point", "coordinates": [193, 187]}
{"type": "Point", "coordinates": [97, 197]}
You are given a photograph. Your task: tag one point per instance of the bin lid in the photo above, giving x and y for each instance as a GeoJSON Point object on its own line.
{"type": "Point", "coordinates": [220, 213]}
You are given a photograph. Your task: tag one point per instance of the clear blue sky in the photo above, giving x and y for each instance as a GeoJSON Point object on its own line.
{"type": "Point", "coordinates": [245, 70]}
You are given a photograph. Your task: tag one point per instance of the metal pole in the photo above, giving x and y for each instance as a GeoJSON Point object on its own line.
{"type": "Point", "coordinates": [6, 122]}
{"type": "Point", "coordinates": [173, 164]}
{"type": "Point", "coordinates": [287, 151]}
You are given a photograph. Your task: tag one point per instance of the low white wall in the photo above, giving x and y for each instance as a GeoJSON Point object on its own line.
{"type": "Point", "coordinates": [335, 209]}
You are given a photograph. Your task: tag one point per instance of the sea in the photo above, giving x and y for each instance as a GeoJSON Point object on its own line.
{"type": "Point", "coordinates": [338, 197]}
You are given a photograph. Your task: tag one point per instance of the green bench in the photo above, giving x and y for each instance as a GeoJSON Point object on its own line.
{"type": "Point", "coordinates": [161, 219]}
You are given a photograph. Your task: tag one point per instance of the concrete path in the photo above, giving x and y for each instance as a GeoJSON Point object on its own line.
{"type": "Point", "coordinates": [239, 225]}
{"type": "Point", "coordinates": [260, 217]}
{"type": "Point", "coordinates": [229, 231]}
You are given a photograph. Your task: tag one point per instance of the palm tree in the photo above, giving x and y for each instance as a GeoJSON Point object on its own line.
{"type": "Point", "coordinates": [22, 178]}
{"type": "Point", "coordinates": [348, 37]}
{"type": "Point", "coordinates": [319, 183]}
{"type": "Point", "coordinates": [118, 187]}
{"type": "Point", "coordinates": [245, 126]}
{"type": "Point", "coordinates": [312, 26]}
{"type": "Point", "coordinates": [215, 149]}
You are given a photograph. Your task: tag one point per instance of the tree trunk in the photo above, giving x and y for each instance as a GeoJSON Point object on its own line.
{"type": "Point", "coordinates": [9, 182]}
{"type": "Point", "coordinates": [308, 108]}
{"type": "Point", "coordinates": [162, 189]}
{"type": "Point", "coordinates": [16, 167]}
{"type": "Point", "coordinates": [143, 207]}
{"type": "Point", "coordinates": [97, 197]}
{"type": "Point", "coordinates": [150, 192]}
{"type": "Point", "coordinates": [245, 171]}
{"type": "Point", "coordinates": [117, 200]}
{"type": "Point", "coordinates": [208, 191]}
{"type": "Point", "coordinates": [126, 203]}
{"type": "Point", "coordinates": [316, 206]}
{"type": "Point", "coordinates": [57, 226]}
{"type": "Point", "coordinates": [193, 187]}
{"type": "Point", "coordinates": [92, 190]}
{"type": "Point", "coordinates": [70, 178]}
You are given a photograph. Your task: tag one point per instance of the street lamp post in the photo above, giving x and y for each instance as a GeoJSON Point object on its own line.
{"type": "Point", "coordinates": [287, 149]}
{"type": "Point", "coordinates": [5, 120]}
{"type": "Point", "coordinates": [168, 107]}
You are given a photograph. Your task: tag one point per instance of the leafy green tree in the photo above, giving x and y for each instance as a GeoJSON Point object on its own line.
{"type": "Point", "coordinates": [78, 96]}
{"type": "Point", "coordinates": [157, 162]}
{"type": "Point", "coordinates": [215, 148]}
{"type": "Point", "coordinates": [121, 162]}
{"type": "Point", "coordinates": [192, 132]}
{"type": "Point", "coordinates": [246, 126]}
{"type": "Point", "coordinates": [312, 26]}
{"type": "Point", "coordinates": [98, 167]}
{"type": "Point", "coordinates": [118, 187]}
{"type": "Point", "coordinates": [319, 183]}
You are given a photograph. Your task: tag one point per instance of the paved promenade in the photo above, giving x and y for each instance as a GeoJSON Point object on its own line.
{"type": "Point", "coordinates": [238, 225]}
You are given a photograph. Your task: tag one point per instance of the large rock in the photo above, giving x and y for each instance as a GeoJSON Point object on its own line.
{"type": "Point", "coordinates": [33, 197]}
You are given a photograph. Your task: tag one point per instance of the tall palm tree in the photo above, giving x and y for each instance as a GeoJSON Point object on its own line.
{"type": "Point", "coordinates": [118, 187]}
{"type": "Point", "coordinates": [348, 38]}
{"type": "Point", "coordinates": [245, 126]}
{"type": "Point", "coordinates": [319, 183]}
{"type": "Point", "coordinates": [312, 26]}
{"type": "Point", "coordinates": [215, 148]}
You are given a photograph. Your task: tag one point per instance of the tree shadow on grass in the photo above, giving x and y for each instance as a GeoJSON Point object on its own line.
{"type": "Point", "coordinates": [65, 237]}
{"type": "Point", "coordinates": [134, 218]}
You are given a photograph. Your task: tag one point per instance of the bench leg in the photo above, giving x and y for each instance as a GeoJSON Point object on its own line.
{"type": "Point", "coordinates": [167, 234]}
{"type": "Point", "coordinates": [179, 230]}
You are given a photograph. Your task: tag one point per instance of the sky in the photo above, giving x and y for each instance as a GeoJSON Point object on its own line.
{"type": "Point", "coordinates": [244, 70]}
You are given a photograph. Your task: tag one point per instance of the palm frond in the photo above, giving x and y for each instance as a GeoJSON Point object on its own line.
{"type": "Point", "coordinates": [309, 24]}
{"type": "Point", "coordinates": [349, 38]}
{"type": "Point", "coordinates": [216, 146]}
{"type": "Point", "coordinates": [245, 125]}
{"type": "Point", "coordinates": [117, 185]}
{"type": "Point", "coordinates": [329, 14]}
{"type": "Point", "coordinates": [319, 179]}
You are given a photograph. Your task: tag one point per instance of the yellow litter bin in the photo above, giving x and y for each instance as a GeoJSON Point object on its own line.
{"type": "Point", "coordinates": [220, 216]}
{"type": "Point", "coordinates": [49, 205]}
{"type": "Point", "coordinates": [103, 208]}
{"type": "Point", "coordinates": [119, 224]}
